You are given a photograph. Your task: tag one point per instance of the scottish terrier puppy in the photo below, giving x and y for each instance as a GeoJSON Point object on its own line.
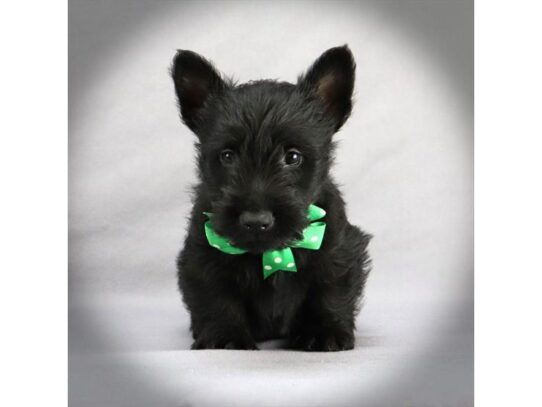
{"type": "Point", "coordinates": [269, 252]}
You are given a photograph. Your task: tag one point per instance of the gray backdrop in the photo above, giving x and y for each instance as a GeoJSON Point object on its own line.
{"type": "Point", "coordinates": [405, 163]}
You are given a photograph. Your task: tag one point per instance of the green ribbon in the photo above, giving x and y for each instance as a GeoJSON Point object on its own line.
{"type": "Point", "coordinates": [281, 259]}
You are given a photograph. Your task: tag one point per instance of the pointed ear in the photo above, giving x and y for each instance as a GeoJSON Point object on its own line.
{"type": "Point", "coordinates": [195, 81]}
{"type": "Point", "coordinates": [331, 80]}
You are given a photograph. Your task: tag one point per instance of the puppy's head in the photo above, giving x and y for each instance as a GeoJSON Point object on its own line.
{"type": "Point", "coordinates": [265, 147]}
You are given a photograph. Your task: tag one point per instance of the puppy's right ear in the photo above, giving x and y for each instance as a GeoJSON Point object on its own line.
{"type": "Point", "coordinates": [196, 80]}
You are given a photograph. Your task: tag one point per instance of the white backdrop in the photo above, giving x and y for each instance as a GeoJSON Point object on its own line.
{"type": "Point", "coordinates": [404, 163]}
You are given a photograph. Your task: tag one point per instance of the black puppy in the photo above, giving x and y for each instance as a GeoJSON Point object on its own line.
{"type": "Point", "coordinates": [264, 153]}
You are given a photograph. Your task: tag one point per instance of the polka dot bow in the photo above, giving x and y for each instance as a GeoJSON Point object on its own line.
{"type": "Point", "coordinates": [282, 259]}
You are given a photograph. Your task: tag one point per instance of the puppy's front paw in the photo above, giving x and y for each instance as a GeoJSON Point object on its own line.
{"type": "Point", "coordinates": [241, 342]}
{"type": "Point", "coordinates": [322, 341]}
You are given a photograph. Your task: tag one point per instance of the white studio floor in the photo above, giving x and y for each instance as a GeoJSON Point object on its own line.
{"type": "Point", "coordinates": [145, 360]}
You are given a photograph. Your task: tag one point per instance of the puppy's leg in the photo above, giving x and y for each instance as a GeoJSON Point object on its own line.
{"type": "Point", "coordinates": [220, 323]}
{"type": "Point", "coordinates": [219, 319]}
{"type": "Point", "coordinates": [326, 321]}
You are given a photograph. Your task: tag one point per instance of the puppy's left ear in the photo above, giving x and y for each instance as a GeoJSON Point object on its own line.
{"type": "Point", "coordinates": [331, 80]}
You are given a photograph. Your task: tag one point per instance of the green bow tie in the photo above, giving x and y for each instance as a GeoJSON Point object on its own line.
{"type": "Point", "coordinates": [282, 259]}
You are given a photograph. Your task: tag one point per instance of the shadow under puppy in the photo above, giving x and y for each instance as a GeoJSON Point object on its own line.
{"type": "Point", "coordinates": [269, 252]}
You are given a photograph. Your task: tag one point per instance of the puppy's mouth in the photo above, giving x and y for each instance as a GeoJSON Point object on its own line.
{"type": "Point", "coordinates": [258, 244]}
{"type": "Point", "coordinates": [254, 247]}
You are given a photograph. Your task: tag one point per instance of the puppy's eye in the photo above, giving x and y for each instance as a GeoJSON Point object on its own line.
{"type": "Point", "coordinates": [227, 156]}
{"type": "Point", "coordinates": [293, 157]}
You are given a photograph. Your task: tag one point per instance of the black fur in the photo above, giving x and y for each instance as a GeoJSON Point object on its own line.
{"type": "Point", "coordinates": [257, 123]}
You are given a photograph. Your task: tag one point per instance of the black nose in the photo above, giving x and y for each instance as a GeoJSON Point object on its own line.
{"type": "Point", "coordinates": [257, 221]}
